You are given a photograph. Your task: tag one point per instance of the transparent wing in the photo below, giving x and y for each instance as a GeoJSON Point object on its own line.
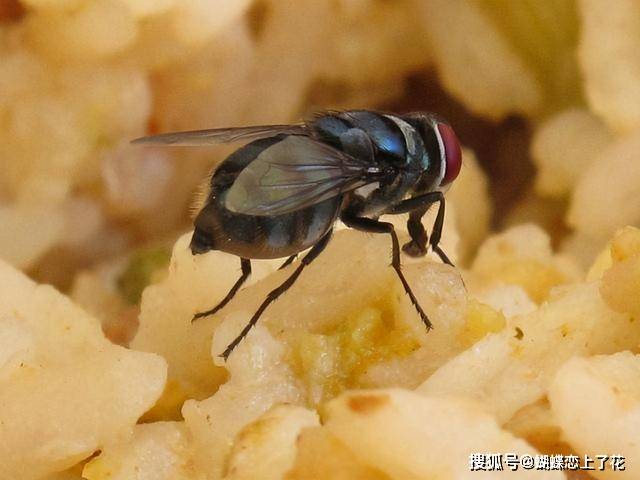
{"type": "Point", "coordinates": [295, 173]}
{"type": "Point", "coordinates": [198, 138]}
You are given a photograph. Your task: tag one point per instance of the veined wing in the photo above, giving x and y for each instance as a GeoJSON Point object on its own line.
{"type": "Point", "coordinates": [199, 138]}
{"type": "Point", "coordinates": [295, 173]}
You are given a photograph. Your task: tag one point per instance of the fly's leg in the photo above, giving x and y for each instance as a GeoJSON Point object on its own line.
{"type": "Point", "coordinates": [288, 261]}
{"type": "Point", "coordinates": [275, 293]}
{"type": "Point", "coordinates": [436, 233]}
{"type": "Point", "coordinates": [374, 226]}
{"type": "Point", "coordinates": [417, 246]}
{"type": "Point", "coordinates": [417, 207]}
{"type": "Point", "coordinates": [245, 264]}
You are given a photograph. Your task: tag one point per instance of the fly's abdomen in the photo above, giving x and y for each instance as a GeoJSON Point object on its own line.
{"type": "Point", "coordinates": [255, 236]}
{"type": "Point", "coordinates": [265, 237]}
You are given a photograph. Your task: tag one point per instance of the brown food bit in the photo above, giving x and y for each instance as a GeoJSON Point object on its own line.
{"type": "Point", "coordinates": [366, 404]}
{"type": "Point", "coordinates": [321, 455]}
{"type": "Point", "coordinates": [257, 18]}
{"type": "Point", "coordinates": [11, 11]}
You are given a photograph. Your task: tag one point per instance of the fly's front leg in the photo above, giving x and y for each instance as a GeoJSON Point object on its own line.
{"type": "Point", "coordinates": [417, 205]}
{"type": "Point", "coordinates": [374, 226]}
{"type": "Point", "coordinates": [417, 247]}
{"type": "Point", "coordinates": [245, 264]}
{"type": "Point", "coordinates": [275, 293]}
{"type": "Point", "coordinates": [436, 233]}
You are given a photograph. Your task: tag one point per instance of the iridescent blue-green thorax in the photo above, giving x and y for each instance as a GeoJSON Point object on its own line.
{"type": "Point", "coordinates": [394, 143]}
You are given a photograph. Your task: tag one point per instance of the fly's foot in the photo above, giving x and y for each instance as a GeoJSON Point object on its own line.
{"type": "Point", "coordinates": [423, 316]}
{"type": "Point", "coordinates": [225, 355]}
{"type": "Point", "coordinates": [413, 249]}
{"type": "Point", "coordinates": [206, 313]}
{"type": "Point", "coordinates": [443, 256]}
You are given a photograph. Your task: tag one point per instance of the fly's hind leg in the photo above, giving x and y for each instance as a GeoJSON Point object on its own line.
{"type": "Point", "coordinates": [275, 293]}
{"type": "Point", "coordinates": [288, 261]}
{"type": "Point", "coordinates": [374, 226]}
{"type": "Point", "coordinates": [245, 264]}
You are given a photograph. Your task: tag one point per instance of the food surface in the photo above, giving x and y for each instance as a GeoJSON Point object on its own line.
{"type": "Point", "coordinates": [534, 358]}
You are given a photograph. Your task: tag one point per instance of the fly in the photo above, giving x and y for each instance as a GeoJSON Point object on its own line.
{"type": "Point", "coordinates": [282, 192]}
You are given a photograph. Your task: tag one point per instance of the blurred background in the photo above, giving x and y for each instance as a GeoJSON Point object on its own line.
{"type": "Point", "coordinates": [544, 95]}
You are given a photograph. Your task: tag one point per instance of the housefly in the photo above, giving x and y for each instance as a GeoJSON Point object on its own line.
{"type": "Point", "coordinates": [282, 192]}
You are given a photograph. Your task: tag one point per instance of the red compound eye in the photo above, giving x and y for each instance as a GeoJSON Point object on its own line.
{"type": "Point", "coordinates": [452, 153]}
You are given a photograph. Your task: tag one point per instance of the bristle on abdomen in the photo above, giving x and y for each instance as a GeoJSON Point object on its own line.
{"type": "Point", "coordinates": [200, 195]}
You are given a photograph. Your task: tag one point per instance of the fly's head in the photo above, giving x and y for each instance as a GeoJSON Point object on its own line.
{"type": "Point", "coordinates": [442, 158]}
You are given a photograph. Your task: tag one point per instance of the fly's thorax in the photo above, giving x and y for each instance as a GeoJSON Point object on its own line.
{"type": "Point", "coordinates": [366, 191]}
{"type": "Point", "coordinates": [363, 134]}
{"type": "Point", "coordinates": [389, 142]}
{"type": "Point", "coordinates": [377, 198]}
